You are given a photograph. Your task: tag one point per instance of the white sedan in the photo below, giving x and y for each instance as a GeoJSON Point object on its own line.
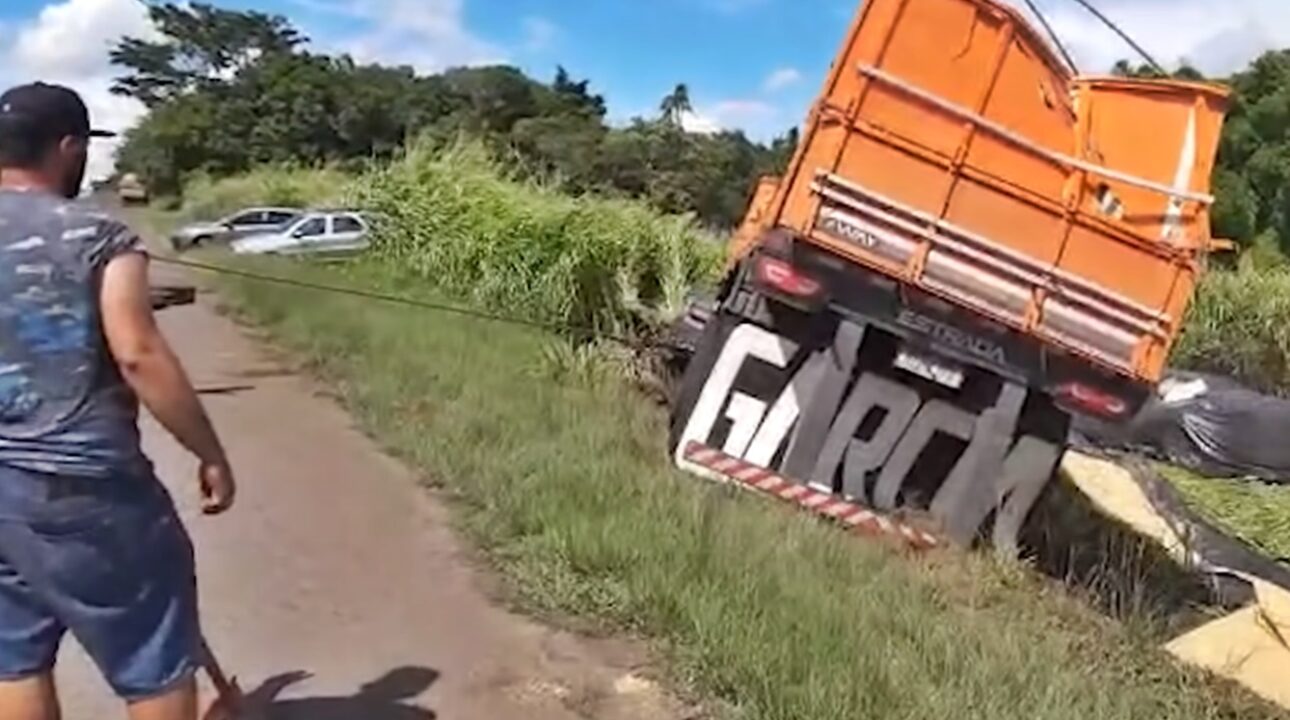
{"type": "Point", "coordinates": [323, 233]}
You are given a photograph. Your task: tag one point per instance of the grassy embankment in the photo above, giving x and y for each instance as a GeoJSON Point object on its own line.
{"type": "Point", "coordinates": [560, 477]}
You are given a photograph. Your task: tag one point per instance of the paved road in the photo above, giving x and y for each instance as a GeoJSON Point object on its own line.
{"type": "Point", "coordinates": [337, 589]}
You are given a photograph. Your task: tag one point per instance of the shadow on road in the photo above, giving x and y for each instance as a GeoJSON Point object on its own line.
{"type": "Point", "coordinates": [225, 389]}
{"type": "Point", "coordinates": [388, 698]}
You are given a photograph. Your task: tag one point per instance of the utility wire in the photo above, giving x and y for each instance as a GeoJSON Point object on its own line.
{"type": "Point", "coordinates": [415, 303]}
{"type": "Point", "coordinates": [1088, 5]}
{"type": "Point", "coordinates": [1052, 34]}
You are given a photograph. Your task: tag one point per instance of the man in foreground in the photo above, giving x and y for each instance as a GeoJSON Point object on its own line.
{"type": "Point", "coordinates": [89, 539]}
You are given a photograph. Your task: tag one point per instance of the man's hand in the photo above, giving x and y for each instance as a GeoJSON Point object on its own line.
{"type": "Point", "coordinates": [219, 490]}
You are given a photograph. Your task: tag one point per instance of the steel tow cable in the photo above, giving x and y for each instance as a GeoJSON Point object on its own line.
{"type": "Point", "coordinates": [447, 308]}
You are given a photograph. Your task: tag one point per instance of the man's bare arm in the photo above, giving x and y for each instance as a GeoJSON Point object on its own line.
{"type": "Point", "coordinates": [150, 367]}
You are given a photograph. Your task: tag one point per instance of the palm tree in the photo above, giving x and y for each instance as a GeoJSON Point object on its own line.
{"type": "Point", "coordinates": [677, 105]}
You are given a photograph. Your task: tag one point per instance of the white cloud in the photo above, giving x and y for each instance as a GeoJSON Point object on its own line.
{"type": "Point", "coordinates": [760, 120]}
{"type": "Point", "coordinates": [740, 113]}
{"type": "Point", "coordinates": [699, 122]}
{"type": "Point", "coordinates": [1216, 37]}
{"type": "Point", "coordinates": [539, 34]}
{"type": "Point", "coordinates": [430, 35]}
{"type": "Point", "coordinates": [68, 43]}
{"type": "Point", "coordinates": [782, 78]}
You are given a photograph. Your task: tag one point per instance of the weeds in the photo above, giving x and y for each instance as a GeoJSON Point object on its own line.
{"type": "Point", "coordinates": [206, 198]}
{"type": "Point", "coordinates": [456, 220]}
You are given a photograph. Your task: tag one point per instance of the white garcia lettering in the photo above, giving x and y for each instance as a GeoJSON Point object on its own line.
{"type": "Point", "coordinates": [756, 433]}
{"type": "Point", "coordinates": [747, 341]}
{"type": "Point", "coordinates": [756, 436]}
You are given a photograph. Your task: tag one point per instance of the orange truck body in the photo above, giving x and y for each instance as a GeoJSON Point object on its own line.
{"type": "Point", "coordinates": [952, 150]}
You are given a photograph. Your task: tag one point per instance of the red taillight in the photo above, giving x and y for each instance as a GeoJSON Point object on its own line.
{"type": "Point", "coordinates": [1092, 400]}
{"type": "Point", "coordinates": [779, 275]}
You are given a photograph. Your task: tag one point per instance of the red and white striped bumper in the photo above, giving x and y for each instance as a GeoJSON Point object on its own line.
{"type": "Point", "coordinates": [853, 516]}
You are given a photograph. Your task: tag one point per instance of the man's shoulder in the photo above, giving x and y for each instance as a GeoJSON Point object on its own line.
{"type": "Point", "coordinates": [96, 233]}
{"type": "Point", "coordinates": [86, 213]}
{"type": "Point", "coordinates": [38, 208]}
{"type": "Point", "coordinates": [84, 221]}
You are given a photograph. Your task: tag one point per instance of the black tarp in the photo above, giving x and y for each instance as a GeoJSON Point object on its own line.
{"type": "Point", "coordinates": [1207, 423]}
{"type": "Point", "coordinates": [1227, 563]}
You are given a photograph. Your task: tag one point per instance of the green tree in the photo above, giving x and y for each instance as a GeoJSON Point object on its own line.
{"type": "Point", "coordinates": [201, 44]}
{"type": "Point", "coordinates": [493, 98]}
{"type": "Point", "coordinates": [575, 97]}
{"type": "Point", "coordinates": [676, 105]}
{"type": "Point", "coordinates": [1236, 210]}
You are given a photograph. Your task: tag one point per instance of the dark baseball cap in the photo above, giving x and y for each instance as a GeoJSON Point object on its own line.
{"type": "Point", "coordinates": [51, 111]}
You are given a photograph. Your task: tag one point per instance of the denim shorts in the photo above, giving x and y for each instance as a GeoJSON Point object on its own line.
{"type": "Point", "coordinates": [107, 560]}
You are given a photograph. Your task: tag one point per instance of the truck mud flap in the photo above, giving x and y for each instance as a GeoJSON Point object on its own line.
{"type": "Point", "coordinates": [721, 467]}
{"type": "Point", "coordinates": [820, 422]}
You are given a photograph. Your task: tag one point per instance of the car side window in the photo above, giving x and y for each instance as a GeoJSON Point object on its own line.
{"type": "Point", "coordinates": [314, 227]}
{"type": "Point", "coordinates": [278, 218]}
{"type": "Point", "coordinates": [247, 219]}
{"type": "Point", "coordinates": [345, 224]}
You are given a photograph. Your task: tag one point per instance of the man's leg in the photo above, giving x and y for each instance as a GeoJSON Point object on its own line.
{"type": "Point", "coordinates": [178, 704]}
{"type": "Point", "coordinates": [29, 699]}
{"type": "Point", "coordinates": [29, 637]}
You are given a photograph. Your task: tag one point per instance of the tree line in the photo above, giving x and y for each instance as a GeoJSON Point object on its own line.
{"type": "Point", "coordinates": [227, 90]}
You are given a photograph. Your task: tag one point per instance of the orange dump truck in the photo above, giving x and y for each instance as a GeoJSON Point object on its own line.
{"type": "Point", "coordinates": [970, 244]}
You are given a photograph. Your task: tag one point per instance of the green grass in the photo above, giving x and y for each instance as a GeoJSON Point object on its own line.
{"type": "Point", "coordinates": [1257, 513]}
{"type": "Point", "coordinates": [565, 486]}
{"type": "Point", "coordinates": [1239, 326]}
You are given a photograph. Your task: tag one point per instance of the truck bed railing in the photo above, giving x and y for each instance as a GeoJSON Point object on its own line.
{"type": "Point", "coordinates": [1180, 193]}
{"type": "Point", "coordinates": [951, 261]}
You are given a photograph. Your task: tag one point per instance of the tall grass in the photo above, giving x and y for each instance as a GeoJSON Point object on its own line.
{"type": "Point", "coordinates": [460, 223]}
{"type": "Point", "coordinates": [209, 198]}
{"type": "Point", "coordinates": [1240, 327]}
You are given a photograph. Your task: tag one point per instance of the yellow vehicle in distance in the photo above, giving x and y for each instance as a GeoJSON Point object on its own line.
{"type": "Point", "coordinates": [131, 190]}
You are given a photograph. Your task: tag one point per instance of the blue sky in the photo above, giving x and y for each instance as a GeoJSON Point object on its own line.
{"type": "Point", "coordinates": [751, 64]}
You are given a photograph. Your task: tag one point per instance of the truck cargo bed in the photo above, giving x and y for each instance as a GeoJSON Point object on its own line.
{"type": "Point", "coordinates": [953, 151]}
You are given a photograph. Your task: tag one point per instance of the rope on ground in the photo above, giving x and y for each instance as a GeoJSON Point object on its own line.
{"type": "Point", "coordinates": [372, 295]}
